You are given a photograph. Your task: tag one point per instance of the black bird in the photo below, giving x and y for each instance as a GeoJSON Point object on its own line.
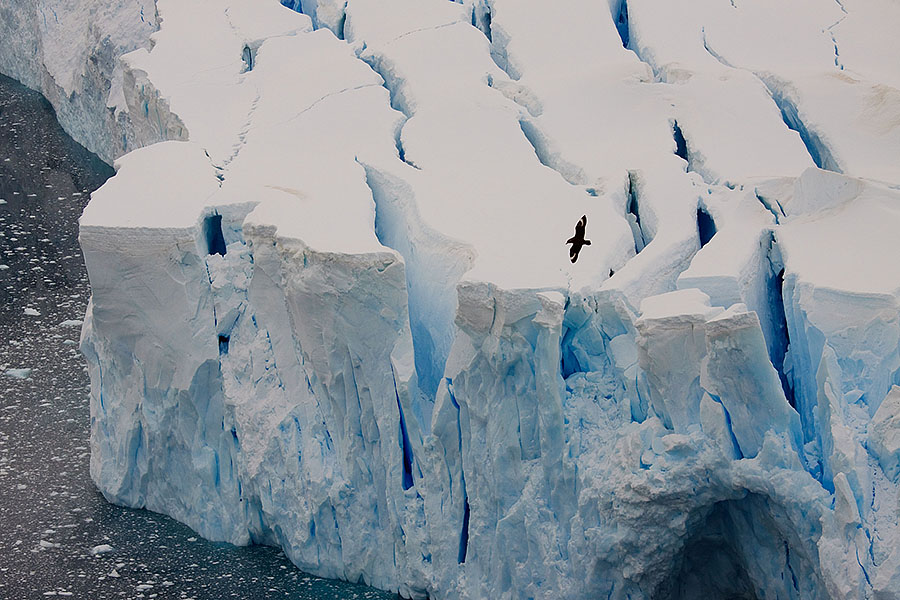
{"type": "Point", "coordinates": [578, 240]}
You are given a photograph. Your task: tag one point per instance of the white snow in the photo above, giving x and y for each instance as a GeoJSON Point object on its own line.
{"type": "Point", "coordinates": [844, 243]}
{"type": "Point", "coordinates": [154, 202]}
{"type": "Point", "coordinates": [845, 111]}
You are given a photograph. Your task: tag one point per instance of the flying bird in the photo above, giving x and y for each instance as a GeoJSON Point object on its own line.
{"type": "Point", "coordinates": [578, 240]}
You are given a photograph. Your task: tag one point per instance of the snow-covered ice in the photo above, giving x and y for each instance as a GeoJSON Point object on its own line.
{"type": "Point", "coordinates": [337, 302]}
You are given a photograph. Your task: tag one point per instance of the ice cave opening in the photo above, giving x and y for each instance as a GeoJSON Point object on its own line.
{"type": "Point", "coordinates": [711, 570]}
{"type": "Point", "coordinates": [706, 227]}
{"type": "Point", "coordinates": [741, 549]}
{"type": "Point", "coordinates": [212, 233]}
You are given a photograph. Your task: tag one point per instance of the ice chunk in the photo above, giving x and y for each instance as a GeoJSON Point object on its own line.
{"type": "Point", "coordinates": [671, 345]}
{"type": "Point", "coordinates": [102, 549]}
{"type": "Point", "coordinates": [884, 434]}
{"type": "Point", "coordinates": [24, 373]}
{"type": "Point", "coordinates": [737, 370]}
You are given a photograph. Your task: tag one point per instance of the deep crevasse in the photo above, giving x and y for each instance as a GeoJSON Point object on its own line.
{"type": "Point", "coordinates": [385, 362]}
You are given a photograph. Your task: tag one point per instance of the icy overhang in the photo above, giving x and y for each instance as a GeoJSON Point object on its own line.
{"type": "Point", "coordinates": [690, 303]}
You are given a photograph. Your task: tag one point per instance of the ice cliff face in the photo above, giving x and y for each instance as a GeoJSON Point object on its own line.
{"type": "Point", "coordinates": [342, 319]}
{"type": "Point", "coordinates": [70, 53]}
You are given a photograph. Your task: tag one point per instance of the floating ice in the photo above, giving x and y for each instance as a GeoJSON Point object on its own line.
{"type": "Point", "coordinates": [23, 373]}
{"type": "Point", "coordinates": [102, 549]}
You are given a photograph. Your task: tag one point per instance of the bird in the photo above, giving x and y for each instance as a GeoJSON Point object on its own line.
{"type": "Point", "coordinates": [578, 240]}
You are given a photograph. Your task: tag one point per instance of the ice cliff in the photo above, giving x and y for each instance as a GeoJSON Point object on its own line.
{"type": "Point", "coordinates": [341, 317]}
{"type": "Point", "coordinates": [69, 51]}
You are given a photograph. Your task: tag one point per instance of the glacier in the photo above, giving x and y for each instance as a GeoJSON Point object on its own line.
{"type": "Point", "coordinates": [70, 53]}
{"type": "Point", "coordinates": [332, 309]}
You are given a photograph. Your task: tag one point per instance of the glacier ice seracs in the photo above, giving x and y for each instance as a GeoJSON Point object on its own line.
{"type": "Point", "coordinates": [336, 301]}
{"type": "Point", "coordinates": [70, 53]}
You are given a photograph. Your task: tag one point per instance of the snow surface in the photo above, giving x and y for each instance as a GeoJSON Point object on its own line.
{"type": "Point", "coordinates": [337, 302]}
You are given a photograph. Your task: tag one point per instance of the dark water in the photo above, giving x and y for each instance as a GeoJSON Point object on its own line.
{"type": "Point", "coordinates": [51, 515]}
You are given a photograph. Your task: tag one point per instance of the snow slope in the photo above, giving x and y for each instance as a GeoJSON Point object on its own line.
{"type": "Point", "coordinates": [343, 312]}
